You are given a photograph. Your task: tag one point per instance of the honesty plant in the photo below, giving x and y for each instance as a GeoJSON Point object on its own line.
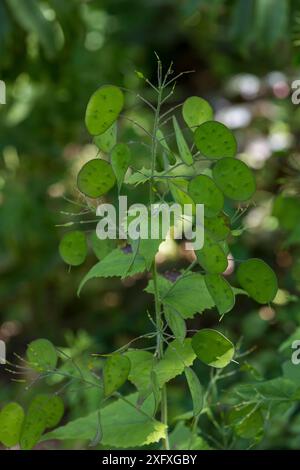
{"type": "Point", "coordinates": [199, 168]}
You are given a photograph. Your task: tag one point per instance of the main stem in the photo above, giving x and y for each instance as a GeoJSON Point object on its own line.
{"type": "Point", "coordinates": [158, 317]}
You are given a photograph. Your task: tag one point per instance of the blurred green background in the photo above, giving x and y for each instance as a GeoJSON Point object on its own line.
{"type": "Point", "coordinates": [54, 54]}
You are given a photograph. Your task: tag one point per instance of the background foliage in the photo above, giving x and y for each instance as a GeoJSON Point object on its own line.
{"type": "Point", "coordinates": [54, 55]}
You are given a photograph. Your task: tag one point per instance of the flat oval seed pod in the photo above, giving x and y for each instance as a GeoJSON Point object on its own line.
{"type": "Point", "coordinates": [52, 406]}
{"type": "Point", "coordinates": [96, 178]}
{"type": "Point", "coordinates": [235, 179]}
{"type": "Point", "coordinates": [120, 160]}
{"type": "Point", "coordinates": [217, 227]}
{"type": "Point", "coordinates": [41, 355]}
{"type": "Point", "coordinates": [221, 292]}
{"type": "Point", "coordinates": [101, 248]}
{"type": "Point", "coordinates": [103, 109]}
{"type": "Point", "coordinates": [73, 248]}
{"type": "Point", "coordinates": [212, 257]}
{"type": "Point", "coordinates": [214, 140]}
{"type": "Point", "coordinates": [203, 190]}
{"type": "Point", "coordinates": [213, 348]}
{"type": "Point", "coordinates": [115, 373]}
{"type": "Point", "coordinates": [107, 140]}
{"type": "Point", "coordinates": [33, 427]}
{"type": "Point", "coordinates": [11, 420]}
{"type": "Point", "coordinates": [258, 279]}
{"type": "Point", "coordinates": [195, 111]}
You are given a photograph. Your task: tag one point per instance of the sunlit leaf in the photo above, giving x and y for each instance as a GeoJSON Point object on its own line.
{"type": "Point", "coordinates": [203, 190]}
{"type": "Point", "coordinates": [214, 140]}
{"type": "Point", "coordinates": [95, 178]}
{"type": "Point", "coordinates": [234, 178]}
{"type": "Point", "coordinates": [73, 248]}
{"type": "Point", "coordinates": [115, 373]}
{"type": "Point", "coordinates": [258, 279]}
{"type": "Point", "coordinates": [103, 109]}
{"type": "Point", "coordinates": [213, 348]}
{"type": "Point", "coordinates": [123, 424]}
{"type": "Point", "coordinates": [195, 111]}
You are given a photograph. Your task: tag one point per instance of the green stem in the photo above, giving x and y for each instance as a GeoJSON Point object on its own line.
{"type": "Point", "coordinates": [158, 317]}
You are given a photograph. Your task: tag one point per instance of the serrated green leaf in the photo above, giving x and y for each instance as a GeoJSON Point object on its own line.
{"type": "Point", "coordinates": [95, 178]}
{"type": "Point", "coordinates": [211, 256]}
{"type": "Point", "coordinates": [120, 160]}
{"type": "Point", "coordinates": [175, 322]}
{"type": "Point", "coordinates": [73, 248]}
{"type": "Point", "coordinates": [41, 355]}
{"type": "Point", "coordinates": [196, 390]}
{"type": "Point", "coordinates": [195, 111]}
{"type": "Point", "coordinates": [178, 355]}
{"type": "Point", "coordinates": [203, 190]}
{"type": "Point", "coordinates": [11, 421]}
{"type": "Point", "coordinates": [103, 109]}
{"type": "Point", "coordinates": [123, 425]}
{"type": "Point", "coordinates": [183, 148]}
{"type": "Point", "coordinates": [117, 263]}
{"type": "Point", "coordinates": [139, 177]}
{"type": "Point", "coordinates": [258, 279]}
{"type": "Point", "coordinates": [279, 388]}
{"type": "Point", "coordinates": [107, 140]}
{"type": "Point", "coordinates": [147, 248]}
{"type": "Point", "coordinates": [178, 296]}
{"type": "Point", "coordinates": [221, 292]}
{"type": "Point", "coordinates": [214, 140]}
{"type": "Point", "coordinates": [213, 348]}
{"type": "Point", "coordinates": [235, 179]}
{"type": "Point", "coordinates": [115, 373]}
{"type": "Point", "coordinates": [142, 363]}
